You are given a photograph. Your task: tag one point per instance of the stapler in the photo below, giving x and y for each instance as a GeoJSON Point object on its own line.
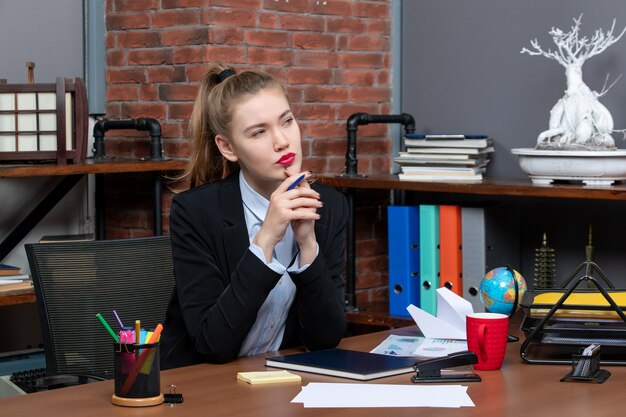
{"type": "Point", "coordinates": [430, 370]}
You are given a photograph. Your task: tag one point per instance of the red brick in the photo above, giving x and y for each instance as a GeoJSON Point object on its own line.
{"type": "Point", "coordinates": [315, 164]}
{"type": "Point", "coordinates": [190, 54]}
{"type": "Point", "coordinates": [226, 35]}
{"type": "Point", "coordinates": [325, 94]}
{"type": "Point", "coordinates": [368, 146]}
{"type": "Point", "coordinates": [372, 10]}
{"type": "Point", "coordinates": [127, 21]}
{"type": "Point", "coordinates": [267, 38]}
{"type": "Point", "coordinates": [382, 27]}
{"type": "Point", "coordinates": [314, 41]}
{"type": "Point", "coordinates": [171, 18]}
{"type": "Point", "coordinates": [185, 36]}
{"type": "Point", "coordinates": [369, 94]}
{"type": "Point", "coordinates": [196, 72]}
{"type": "Point", "coordinates": [373, 130]}
{"type": "Point", "coordinates": [309, 76]}
{"type": "Point", "coordinates": [135, 39]}
{"type": "Point", "coordinates": [118, 147]}
{"type": "Point", "coordinates": [298, 6]}
{"type": "Point", "coordinates": [382, 78]}
{"type": "Point", "coordinates": [332, 7]}
{"type": "Point", "coordinates": [328, 146]}
{"type": "Point", "coordinates": [133, 111]}
{"type": "Point", "coordinates": [229, 17]}
{"type": "Point", "coordinates": [122, 92]}
{"type": "Point", "coordinates": [150, 57]}
{"type": "Point", "coordinates": [116, 58]}
{"type": "Point", "coordinates": [346, 110]}
{"type": "Point", "coordinates": [326, 129]}
{"type": "Point", "coordinates": [227, 54]}
{"type": "Point", "coordinates": [177, 148]}
{"type": "Point", "coordinates": [177, 92]}
{"type": "Point", "coordinates": [279, 73]}
{"type": "Point", "coordinates": [110, 40]}
{"type": "Point", "coordinates": [356, 77]}
{"type": "Point", "coordinates": [179, 110]}
{"type": "Point", "coordinates": [171, 130]}
{"type": "Point", "coordinates": [314, 111]}
{"type": "Point", "coordinates": [361, 60]}
{"type": "Point", "coordinates": [128, 218]}
{"type": "Point", "coordinates": [182, 4]}
{"type": "Point", "coordinates": [372, 247]}
{"type": "Point", "coordinates": [167, 74]}
{"type": "Point", "coordinates": [148, 92]}
{"type": "Point", "coordinates": [369, 43]}
{"type": "Point", "coordinates": [113, 110]}
{"type": "Point", "coordinates": [126, 75]}
{"type": "Point", "coordinates": [268, 21]}
{"type": "Point", "coordinates": [342, 42]}
{"type": "Point", "coordinates": [244, 4]}
{"type": "Point", "coordinates": [294, 93]}
{"type": "Point", "coordinates": [316, 59]}
{"type": "Point", "coordinates": [348, 25]}
{"type": "Point", "coordinates": [116, 232]}
{"type": "Point", "coordinates": [125, 5]}
{"type": "Point", "coordinates": [299, 22]}
{"type": "Point", "coordinates": [270, 56]}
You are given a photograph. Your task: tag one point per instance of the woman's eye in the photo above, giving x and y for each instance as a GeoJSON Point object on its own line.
{"type": "Point", "coordinates": [257, 133]}
{"type": "Point", "coordinates": [288, 121]}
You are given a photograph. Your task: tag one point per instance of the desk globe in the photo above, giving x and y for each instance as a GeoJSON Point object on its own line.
{"type": "Point", "coordinates": [497, 290]}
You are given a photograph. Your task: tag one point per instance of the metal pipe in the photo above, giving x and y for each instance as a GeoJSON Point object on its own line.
{"type": "Point", "coordinates": [354, 121]}
{"type": "Point", "coordinates": [358, 119]}
{"type": "Point", "coordinates": [151, 125]}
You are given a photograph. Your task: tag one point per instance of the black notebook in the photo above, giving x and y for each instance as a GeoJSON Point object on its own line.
{"type": "Point", "coordinates": [344, 363]}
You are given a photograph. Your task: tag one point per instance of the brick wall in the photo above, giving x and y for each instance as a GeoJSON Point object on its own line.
{"type": "Point", "coordinates": [333, 56]}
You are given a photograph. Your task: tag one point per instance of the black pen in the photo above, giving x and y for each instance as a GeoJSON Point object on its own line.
{"type": "Point", "coordinates": [295, 183]}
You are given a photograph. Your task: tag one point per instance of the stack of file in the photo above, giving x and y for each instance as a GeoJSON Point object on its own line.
{"type": "Point", "coordinates": [444, 157]}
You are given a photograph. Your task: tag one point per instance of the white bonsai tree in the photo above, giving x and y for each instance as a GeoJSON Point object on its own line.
{"type": "Point", "coordinates": [578, 121]}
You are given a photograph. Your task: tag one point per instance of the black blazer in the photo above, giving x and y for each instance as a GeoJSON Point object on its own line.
{"type": "Point", "coordinates": [221, 284]}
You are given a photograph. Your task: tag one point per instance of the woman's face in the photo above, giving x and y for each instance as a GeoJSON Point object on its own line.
{"type": "Point", "coordinates": [264, 140]}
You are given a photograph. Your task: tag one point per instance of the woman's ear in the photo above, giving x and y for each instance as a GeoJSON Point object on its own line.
{"type": "Point", "coordinates": [225, 148]}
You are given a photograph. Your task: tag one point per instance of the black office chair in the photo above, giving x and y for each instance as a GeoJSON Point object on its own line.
{"type": "Point", "coordinates": [76, 280]}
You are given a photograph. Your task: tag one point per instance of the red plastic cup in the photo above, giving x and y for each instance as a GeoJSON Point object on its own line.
{"type": "Point", "coordinates": [486, 337]}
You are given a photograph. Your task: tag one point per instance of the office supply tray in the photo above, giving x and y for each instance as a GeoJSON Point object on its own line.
{"type": "Point", "coordinates": [558, 321]}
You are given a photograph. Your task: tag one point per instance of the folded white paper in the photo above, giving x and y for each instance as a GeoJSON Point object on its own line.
{"type": "Point", "coordinates": [452, 311]}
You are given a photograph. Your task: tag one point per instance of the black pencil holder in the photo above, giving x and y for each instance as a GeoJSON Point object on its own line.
{"type": "Point", "coordinates": [587, 368]}
{"type": "Point", "coordinates": [137, 375]}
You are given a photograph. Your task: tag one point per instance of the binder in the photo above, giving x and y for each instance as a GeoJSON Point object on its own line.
{"type": "Point", "coordinates": [404, 260]}
{"type": "Point", "coordinates": [490, 237]}
{"type": "Point", "coordinates": [429, 257]}
{"type": "Point", "coordinates": [450, 256]}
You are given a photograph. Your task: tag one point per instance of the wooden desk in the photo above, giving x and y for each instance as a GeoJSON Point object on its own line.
{"type": "Point", "coordinates": [213, 390]}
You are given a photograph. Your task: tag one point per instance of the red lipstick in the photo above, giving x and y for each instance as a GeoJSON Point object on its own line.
{"type": "Point", "coordinates": [287, 159]}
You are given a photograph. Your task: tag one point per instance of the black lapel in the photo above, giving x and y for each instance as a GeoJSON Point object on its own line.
{"type": "Point", "coordinates": [236, 240]}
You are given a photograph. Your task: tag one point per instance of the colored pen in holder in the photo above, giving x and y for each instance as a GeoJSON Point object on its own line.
{"type": "Point", "coordinates": [137, 375]}
{"type": "Point", "coordinates": [586, 366]}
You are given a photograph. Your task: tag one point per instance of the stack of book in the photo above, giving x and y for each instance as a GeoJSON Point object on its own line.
{"type": "Point", "coordinates": [444, 157]}
{"type": "Point", "coordinates": [11, 277]}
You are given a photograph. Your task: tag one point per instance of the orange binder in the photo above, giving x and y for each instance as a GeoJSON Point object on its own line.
{"type": "Point", "coordinates": [450, 259]}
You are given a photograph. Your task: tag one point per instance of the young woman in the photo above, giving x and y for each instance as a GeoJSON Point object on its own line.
{"type": "Point", "coordinates": [258, 256]}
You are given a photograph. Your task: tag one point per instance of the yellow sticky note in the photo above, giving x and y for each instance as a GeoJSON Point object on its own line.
{"type": "Point", "coordinates": [268, 377]}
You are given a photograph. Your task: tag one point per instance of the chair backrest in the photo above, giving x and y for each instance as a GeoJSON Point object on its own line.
{"type": "Point", "coordinates": [76, 280]}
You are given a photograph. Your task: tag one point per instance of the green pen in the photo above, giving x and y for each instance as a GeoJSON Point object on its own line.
{"type": "Point", "coordinates": [106, 326]}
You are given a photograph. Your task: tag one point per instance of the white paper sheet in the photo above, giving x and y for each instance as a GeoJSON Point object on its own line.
{"type": "Point", "coordinates": [337, 395]}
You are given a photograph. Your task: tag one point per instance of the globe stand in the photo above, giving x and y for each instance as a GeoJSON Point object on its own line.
{"type": "Point", "coordinates": [510, 338]}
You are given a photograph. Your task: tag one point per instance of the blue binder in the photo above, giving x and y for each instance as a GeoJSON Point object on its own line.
{"type": "Point", "coordinates": [429, 257]}
{"type": "Point", "coordinates": [404, 259]}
